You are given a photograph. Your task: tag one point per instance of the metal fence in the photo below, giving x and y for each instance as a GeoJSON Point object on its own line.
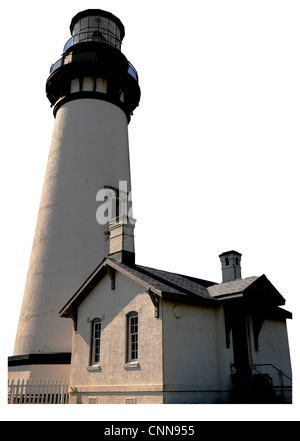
{"type": "Point", "coordinates": [46, 391]}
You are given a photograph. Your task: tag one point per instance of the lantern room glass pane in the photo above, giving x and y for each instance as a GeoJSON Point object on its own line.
{"type": "Point", "coordinates": [76, 29]}
{"type": "Point", "coordinates": [84, 23]}
{"type": "Point", "coordinates": [94, 21]}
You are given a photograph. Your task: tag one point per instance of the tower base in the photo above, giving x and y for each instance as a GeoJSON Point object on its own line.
{"type": "Point", "coordinates": [39, 366]}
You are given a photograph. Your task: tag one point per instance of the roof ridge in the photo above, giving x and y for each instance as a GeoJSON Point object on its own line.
{"type": "Point", "coordinates": [238, 280]}
{"type": "Point", "coordinates": [191, 278]}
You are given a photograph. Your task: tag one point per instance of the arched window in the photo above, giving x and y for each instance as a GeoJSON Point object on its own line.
{"type": "Point", "coordinates": [95, 341]}
{"type": "Point", "coordinates": [132, 336]}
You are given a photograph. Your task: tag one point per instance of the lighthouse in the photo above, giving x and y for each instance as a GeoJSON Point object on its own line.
{"type": "Point", "coordinates": [93, 90]}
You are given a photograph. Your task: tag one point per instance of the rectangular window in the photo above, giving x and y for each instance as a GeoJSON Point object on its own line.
{"type": "Point", "coordinates": [96, 339]}
{"type": "Point", "coordinates": [133, 337]}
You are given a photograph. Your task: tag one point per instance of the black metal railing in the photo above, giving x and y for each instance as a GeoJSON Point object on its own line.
{"type": "Point", "coordinates": [281, 373]}
{"type": "Point", "coordinates": [263, 384]}
{"type": "Point", "coordinates": [131, 69]}
{"type": "Point", "coordinates": [285, 390]}
{"type": "Point", "coordinates": [56, 65]}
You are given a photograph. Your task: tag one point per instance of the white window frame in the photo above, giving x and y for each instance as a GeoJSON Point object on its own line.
{"type": "Point", "coordinates": [95, 342]}
{"type": "Point", "coordinates": [132, 337]}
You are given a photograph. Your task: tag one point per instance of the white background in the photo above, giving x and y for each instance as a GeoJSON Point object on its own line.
{"type": "Point", "coordinates": [214, 154]}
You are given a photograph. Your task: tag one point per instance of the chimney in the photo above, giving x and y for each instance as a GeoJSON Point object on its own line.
{"type": "Point", "coordinates": [121, 239]}
{"type": "Point", "coordinates": [231, 265]}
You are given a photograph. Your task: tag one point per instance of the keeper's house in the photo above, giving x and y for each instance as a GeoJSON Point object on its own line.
{"type": "Point", "coordinates": [143, 335]}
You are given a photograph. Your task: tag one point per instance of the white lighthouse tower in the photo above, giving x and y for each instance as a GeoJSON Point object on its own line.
{"type": "Point", "coordinates": [93, 90]}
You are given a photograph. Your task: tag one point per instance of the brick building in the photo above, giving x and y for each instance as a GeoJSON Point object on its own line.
{"type": "Point", "coordinates": [142, 335]}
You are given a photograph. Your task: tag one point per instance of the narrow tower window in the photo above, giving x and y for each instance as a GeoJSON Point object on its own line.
{"type": "Point", "coordinates": [132, 324]}
{"type": "Point", "coordinates": [96, 339]}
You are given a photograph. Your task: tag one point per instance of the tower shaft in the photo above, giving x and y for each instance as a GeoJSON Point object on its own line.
{"type": "Point", "coordinates": [93, 90]}
{"type": "Point", "coordinates": [89, 151]}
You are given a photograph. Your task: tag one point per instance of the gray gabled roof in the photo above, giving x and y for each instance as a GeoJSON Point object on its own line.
{"type": "Point", "coordinates": [257, 292]}
{"type": "Point", "coordinates": [232, 288]}
{"type": "Point", "coordinates": [163, 283]}
{"type": "Point", "coordinates": [178, 287]}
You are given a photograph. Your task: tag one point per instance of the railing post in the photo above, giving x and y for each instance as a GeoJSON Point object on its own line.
{"type": "Point", "coordinates": [282, 385]}
{"type": "Point", "coordinates": [11, 391]}
{"type": "Point", "coordinates": [22, 392]}
{"type": "Point", "coordinates": [28, 391]}
{"type": "Point", "coordinates": [46, 391]}
{"type": "Point", "coordinates": [17, 392]}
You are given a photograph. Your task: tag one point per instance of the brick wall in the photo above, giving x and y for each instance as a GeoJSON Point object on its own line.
{"type": "Point", "coordinates": [114, 380]}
